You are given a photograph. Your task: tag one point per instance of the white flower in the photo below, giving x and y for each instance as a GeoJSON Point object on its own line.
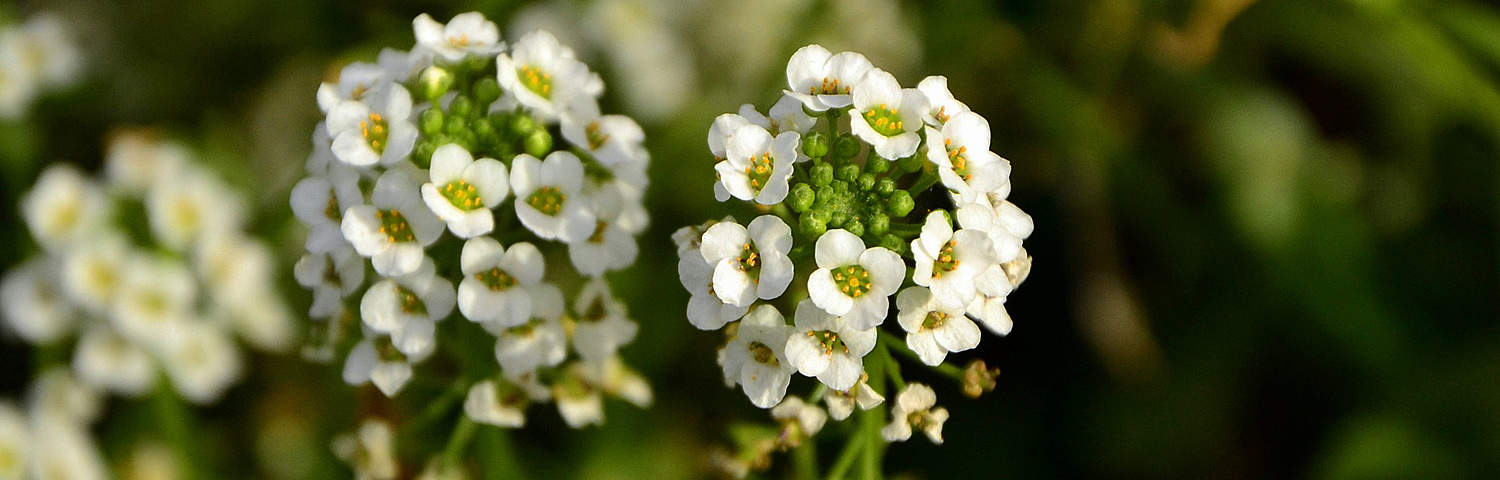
{"type": "Point", "coordinates": [15, 442]}
{"type": "Point", "coordinates": [488, 405]}
{"type": "Point", "coordinates": [889, 116]}
{"type": "Point", "coordinates": [965, 163]}
{"type": "Point", "coordinates": [497, 281]}
{"type": "Point", "coordinates": [786, 115]}
{"type": "Point", "coordinates": [852, 281]}
{"type": "Point", "coordinates": [466, 35]}
{"type": "Point", "coordinates": [610, 139]}
{"type": "Point", "coordinates": [948, 261]}
{"type": "Point", "coordinates": [463, 190]}
{"type": "Point", "coordinates": [56, 394]}
{"type": "Point", "coordinates": [61, 449]}
{"type": "Point", "coordinates": [57, 59]}
{"type": "Point", "coordinates": [19, 84]}
{"type": "Point", "coordinates": [332, 277]}
{"type": "Point", "coordinates": [758, 164]}
{"type": "Point", "coordinates": [807, 418]}
{"type": "Point", "coordinates": [822, 80]}
{"type": "Point", "coordinates": [755, 358]}
{"type": "Point", "coordinates": [202, 361]}
{"type": "Point", "coordinates": [94, 270]}
{"type": "Point", "coordinates": [136, 160]}
{"type": "Point", "coordinates": [827, 347]}
{"type": "Point", "coordinates": [603, 324]}
{"type": "Point", "coordinates": [613, 377]}
{"type": "Point", "coordinates": [236, 268]}
{"type": "Point", "coordinates": [376, 360]}
{"type": "Point", "coordinates": [1006, 226]}
{"type": "Point", "coordinates": [371, 452]}
{"type": "Point", "coordinates": [691, 236]}
{"type": "Point", "coordinates": [393, 230]}
{"type": "Point", "coordinates": [156, 297]}
{"type": "Point", "coordinates": [537, 343]}
{"type": "Point", "coordinates": [261, 318]}
{"type": "Point", "coordinates": [63, 207]}
{"type": "Point", "coordinates": [841, 402]}
{"type": "Point", "coordinates": [749, 263]}
{"type": "Point", "coordinates": [408, 308]}
{"type": "Point", "coordinates": [319, 202]}
{"type": "Point", "coordinates": [190, 206]}
{"type": "Point", "coordinates": [548, 199]}
{"type": "Point", "coordinates": [933, 329]}
{"type": "Point", "coordinates": [33, 305]}
{"type": "Point", "coordinates": [914, 408]}
{"type": "Point", "coordinates": [376, 132]}
{"type": "Point", "coordinates": [543, 75]}
{"type": "Point", "coordinates": [941, 104]}
{"type": "Point", "coordinates": [357, 81]}
{"type": "Point", "coordinates": [705, 309]}
{"type": "Point", "coordinates": [723, 127]}
{"type": "Point", "coordinates": [579, 404]}
{"type": "Point", "coordinates": [108, 361]}
{"type": "Point", "coordinates": [611, 246]}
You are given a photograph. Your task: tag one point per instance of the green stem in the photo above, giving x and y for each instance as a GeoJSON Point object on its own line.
{"type": "Point", "coordinates": [785, 213]}
{"type": "Point", "coordinates": [870, 422]}
{"type": "Point", "coordinates": [846, 460]}
{"type": "Point", "coordinates": [927, 180]}
{"type": "Point", "coordinates": [817, 393]}
{"type": "Point", "coordinates": [898, 345]}
{"type": "Point", "coordinates": [892, 368]}
{"type": "Point", "coordinates": [439, 406]}
{"type": "Point", "coordinates": [459, 441]}
{"type": "Point", "coordinates": [805, 460]}
{"type": "Point", "coordinates": [174, 420]}
{"type": "Point", "coordinates": [497, 456]}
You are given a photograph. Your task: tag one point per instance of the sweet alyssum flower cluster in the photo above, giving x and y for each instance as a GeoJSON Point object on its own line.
{"type": "Point", "coordinates": [35, 56]}
{"type": "Point", "coordinates": [835, 165]}
{"type": "Point", "coordinates": [438, 170]}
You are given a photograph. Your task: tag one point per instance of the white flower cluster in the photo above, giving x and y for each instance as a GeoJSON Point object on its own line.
{"type": "Point", "coordinates": [456, 136]}
{"type": "Point", "coordinates": [847, 191]}
{"type": "Point", "coordinates": [164, 288]}
{"type": "Point", "coordinates": [51, 437]}
{"type": "Point", "coordinates": [35, 57]}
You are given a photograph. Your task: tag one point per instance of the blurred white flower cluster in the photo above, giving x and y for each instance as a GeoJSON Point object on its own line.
{"type": "Point", "coordinates": [148, 270]}
{"type": "Point", "coordinates": [51, 437]}
{"type": "Point", "coordinates": [437, 168]}
{"type": "Point", "coordinates": [36, 56]}
{"type": "Point", "coordinates": [843, 155]}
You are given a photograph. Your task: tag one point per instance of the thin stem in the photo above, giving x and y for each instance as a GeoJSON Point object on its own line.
{"type": "Point", "coordinates": [817, 393]}
{"type": "Point", "coordinates": [892, 368]}
{"type": "Point", "coordinates": [899, 346]}
{"type": "Point", "coordinates": [805, 460]}
{"type": "Point", "coordinates": [439, 406]}
{"type": "Point", "coordinates": [846, 460]}
{"type": "Point", "coordinates": [459, 441]}
{"type": "Point", "coordinates": [497, 456]}
{"type": "Point", "coordinates": [927, 180]}
{"type": "Point", "coordinates": [870, 422]}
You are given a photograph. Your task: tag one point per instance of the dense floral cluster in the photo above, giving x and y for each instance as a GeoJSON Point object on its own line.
{"type": "Point", "coordinates": [437, 169]}
{"type": "Point", "coordinates": [35, 57]}
{"type": "Point", "coordinates": [838, 162]}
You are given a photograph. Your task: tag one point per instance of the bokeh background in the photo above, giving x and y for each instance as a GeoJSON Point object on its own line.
{"type": "Point", "coordinates": [1266, 231]}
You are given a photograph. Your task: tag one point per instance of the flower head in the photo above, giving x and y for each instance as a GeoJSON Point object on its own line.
{"type": "Point", "coordinates": [932, 329]}
{"type": "Point", "coordinates": [914, 407]}
{"type": "Point", "coordinates": [854, 282]}
{"type": "Point", "coordinates": [394, 228]}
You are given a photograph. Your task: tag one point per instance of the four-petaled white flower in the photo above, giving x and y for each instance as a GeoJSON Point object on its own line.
{"type": "Point", "coordinates": [889, 117]}
{"type": "Point", "coordinates": [755, 358]}
{"type": "Point", "coordinates": [798, 419]}
{"type": "Point", "coordinates": [705, 309]}
{"type": "Point", "coordinates": [787, 115]}
{"type": "Point", "coordinates": [32, 305]}
{"type": "Point", "coordinates": [932, 329]}
{"type": "Point", "coordinates": [544, 76]}
{"type": "Point", "coordinates": [156, 295]}
{"type": "Point", "coordinates": [961, 151]}
{"type": "Point", "coordinates": [602, 322]}
{"type": "Point", "coordinates": [376, 360]}
{"type": "Point", "coordinates": [548, 199]}
{"type": "Point", "coordinates": [106, 360]}
{"type": "Point", "coordinates": [610, 139]}
{"type": "Point", "coordinates": [63, 207]}
{"type": "Point", "coordinates": [611, 246]}
{"type": "Point", "coordinates": [497, 281]}
{"type": "Point", "coordinates": [821, 79]}
{"type": "Point", "coordinates": [540, 342]}
{"type": "Point", "coordinates": [496, 403]}
{"type": "Point", "coordinates": [914, 407]}
{"type": "Point", "coordinates": [841, 403]}
{"type": "Point", "coordinates": [190, 206]}
{"type": "Point", "coordinates": [371, 451]}
{"type": "Point", "coordinates": [357, 81]}
{"type": "Point", "coordinates": [758, 164]}
{"type": "Point", "coordinates": [940, 102]}
{"type": "Point", "coordinates": [463, 190]}
{"type": "Point", "coordinates": [395, 228]}
{"type": "Point", "coordinates": [332, 276]}
{"type": "Point", "coordinates": [408, 308]}
{"type": "Point", "coordinates": [852, 281]}
{"type": "Point", "coordinates": [948, 262]}
{"type": "Point", "coordinates": [827, 347]}
{"type": "Point", "coordinates": [319, 202]}
{"type": "Point", "coordinates": [376, 132]}
{"type": "Point", "coordinates": [749, 263]}
{"type": "Point", "coordinates": [201, 360]}
{"type": "Point", "coordinates": [465, 35]}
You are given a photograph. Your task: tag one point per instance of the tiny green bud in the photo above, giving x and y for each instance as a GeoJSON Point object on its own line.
{"type": "Point", "coordinates": [855, 227]}
{"type": "Point", "coordinates": [865, 182]}
{"type": "Point", "coordinates": [909, 164]}
{"type": "Point", "coordinates": [461, 106]}
{"type": "Point", "coordinates": [900, 203]}
{"type": "Point", "coordinates": [838, 219]}
{"type": "Point", "coordinates": [522, 125]}
{"type": "Point", "coordinates": [484, 131]}
{"type": "Point", "coordinates": [467, 140]}
{"type": "Point", "coordinates": [539, 143]}
{"type": "Point", "coordinates": [821, 174]}
{"type": "Point", "coordinates": [878, 223]}
{"type": "Point", "coordinates": [825, 193]}
{"type": "Point", "coordinates": [431, 121]}
{"type": "Point", "coordinates": [811, 225]}
{"type": "Point", "coordinates": [434, 82]}
{"type": "Point", "coordinates": [422, 153]}
{"type": "Point", "coordinates": [840, 187]}
{"type": "Point", "coordinates": [893, 243]}
{"type": "Point", "coordinates": [847, 173]}
{"type": "Point", "coordinates": [846, 147]}
{"type": "Point", "coordinates": [801, 198]}
{"type": "Point", "coordinates": [454, 125]}
{"type": "Point", "coordinates": [877, 165]}
{"type": "Point", "coordinates": [486, 91]}
{"type": "Point", "coordinates": [885, 186]}
{"type": "Point", "coordinates": [815, 145]}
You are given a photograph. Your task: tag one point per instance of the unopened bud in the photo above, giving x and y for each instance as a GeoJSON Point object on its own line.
{"type": "Point", "coordinates": [899, 204]}
{"type": "Point", "coordinates": [815, 145]}
{"type": "Point", "coordinates": [435, 81]}
{"type": "Point", "coordinates": [461, 106]}
{"type": "Point", "coordinates": [855, 226]}
{"type": "Point", "coordinates": [811, 225]}
{"type": "Point", "coordinates": [978, 378]}
{"type": "Point", "coordinates": [865, 182]}
{"type": "Point", "coordinates": [486, 91]}
{"type": "Point", "coordinates": [539, 143]}
{"type": "Point", "coordinates": [522, 125]}
{"type": "Point", "coordinates": [909, 164]}
{"type": "Point", "coordinates": [877, 165]}
{"type": "Point", "coordinates": [878, 223]}
{"type": "Point", "coordinates": [846, 147]}
{"type": "Point", "coordinates": [893, 243]}
{"type": "Point", "coordinates": [847, 173]}
{"type": "Point", "coordinates": [801, 198]}
{"type": "Point", "coordinates": [821, 174]}
{"type": "Point", "coordinates": [431, 121]}
{"type": "Point", "coordinates": [885, 186]}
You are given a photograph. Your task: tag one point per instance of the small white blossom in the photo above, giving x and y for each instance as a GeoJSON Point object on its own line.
{"type": "Point", "coordinates": [889, 117]}
{"type": "Point", "coordinates": [15, 442]}
{"type": "Point", "coordinates": [827, 347]}
{"type": "Point", "coordinates": [755, 358]}
{"type": "Point", "coordinates": [108, 361]}
{"type": "Point", "coordinates": [191, 206]}
{"type": "Point", "coordinates": [497, 281]}
{"type": "Point", "coordinates": [821, 79]}
{"type": "Point", "coordinates": [603, 324]}
{"type": "Point", "coordinates": [610, 139]}
{"type": "Point", "coordinates": [377, 131]}
{"type": "Point", "coordinates": [63, 207]}
{"type": "Point", "coordinates": [202, 361]}
{"type": "Point", "coordinates": [332, 277]}
{"type": "Point", "coordinates": [537, 343]}
{"type": "Point", "coordinates": [376, 360]}
{"type": "Point", "coordinates": [463, 190]}
{"type": "Point", "coordinates": [94, 270]}
{"type": "Point", "coordinates": [854, 282]}
{"type": "Point", "coordinates": [155, 298]}
{"type": "Point", "coordinates": [758, 165]}
{"type": "Point", "coordinates": [371, 452]}
{"type": "Point", "coordinates": [705, 309]}
{"type": "Point", "coordinates": [841, 403]}
{"type": "Point", "coordinates": [807, 418]}
{"type": "Point", "coordinates": [394, 229]}
{"type": "Point", "coordinates": [749, 263]}
{"type": "Point", "coordinates": [548, 199]}
{"type": "Point", "coordinates": [61, 449]}
{"type": "Point", "coordinates": [320, 201]}
{"type": "Point", "coordinates": [948, 262]}
{"type": "Point", "coordinates": [914, 407]}
{"type": "Point", "coordinates": [408, 308]}
{"type": "Point", "coordinates": [933, 329]}
{"type": "Point", "coordinates": [941, 104]}
{"type": "Point", "coordinates": [487, 404]}
{"type": "Point", "coordinates": [613, 377]}
{"type": "Point", "coordinates": [961, 151]}
{"type": "Point", "coordinates": [610, 247]}
{"type": "Point", "coordinates": [137, 160]}
{"type": "Point", "coordinates": [33, 305]}
{"type": "Point", "coordinates": [56, 394]}
{"type": "Point", "coordinates": [543, 75]}
{"type": "Point", "coordinates": [466, 35]}
{"type": "Point", "coordinates": [579, 404]}
{"type": "Point", "coordinates": [357, 81]}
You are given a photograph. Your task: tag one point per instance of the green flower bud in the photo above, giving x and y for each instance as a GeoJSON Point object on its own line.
{"type": "Point", "coordinates": [840, 187]}
{"type": "Point", "coordinates": [539, 143]}
{"type": "Point", "coordinates": [846, 147]}
{"type": "Point", "coordinates": [893, 243]}
{"type": "Point", "coordinates": [878, 223]}
{"type": "Point", "coordinates": [815, 145]}
{"type": "Point", "coordinates": [431, 122]}
{"type": "Point", "coordinates": [485, 132]}
{"type": "Point", "coordinates": [434, 81]}
{"type": "Point", "coordinates": [838, 219]}
{"type": "Point", "coordinates": [847, 173]}
{"type": "Point", "coordinates": [811, 225]}
{"type": "Point", "coordinates": [877, 165]}
{"type": "Point", "coordinates": [865, 182]}
{"type": "Point", "coordinates": [825, 193]}
{"type": "Point", "coordinates": [486, 91]}
{"type": "Point", "coordinates": [885, 186]}
{"type": "Point", "coordinates": [461, 106]}
{"type": "Point", "coordinates": [522, 125]}
{"type": "Point", "coordinates": [422, 153]}
{"type": "Point", "coordinates": [900, 204]}
{"type": "Point", "coordinates": [454, 125]}
{"type": "Point", "coordinates": [801, 198]}
{"type": "Point", "coordinates": [822, 174]}
{"type": "Point", "coordinates": [467, 140]}
{"type": "Point", "coordinates": [909, 164]}
{"type": "Point", "coordinates": [855, 227]}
